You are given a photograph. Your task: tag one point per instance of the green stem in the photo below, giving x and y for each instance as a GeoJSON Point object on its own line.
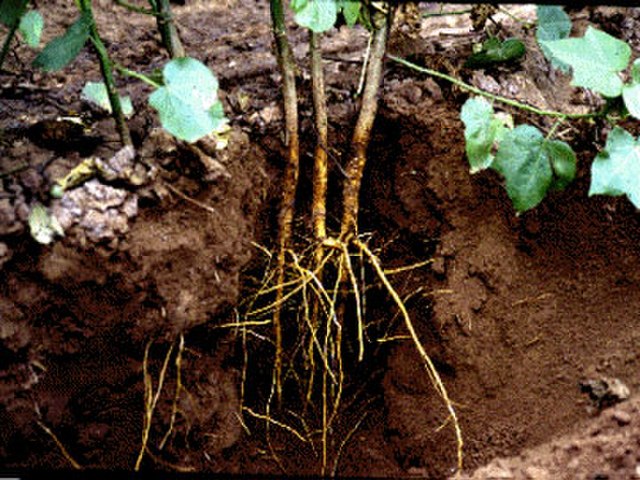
{"type": "Point", "coordinates": [135, 8]}
{"type": "Point", "coordinates": [12, 33]}
{"type": "Point", "coordinates": [7, 43]}
{"type": "Point", "coordinates": [140, 76]}
{"type": "Point", "coordinates": [483, 93]}
{"type": "Point", "coordinates": [107, 75]}
{"type": "Point", "coordinates": [167, 28]}
{"type": "Point", "coordinates": [554, 127]}
{"type": "Point", "coordinates": [444, 14]}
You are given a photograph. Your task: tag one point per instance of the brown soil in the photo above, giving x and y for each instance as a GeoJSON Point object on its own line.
{"type": "Point", "coordinates": [522, 315]}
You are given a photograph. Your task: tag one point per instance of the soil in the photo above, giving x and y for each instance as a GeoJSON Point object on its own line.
{"type": "Point", "coordinates": [529, 319]}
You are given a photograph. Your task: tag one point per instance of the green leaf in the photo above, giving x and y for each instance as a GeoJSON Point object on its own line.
{"type": "Point", "coordinates": [11, 11]}
{"type": "Point", "coordinates": [350, 11]}
{"type": "Point", "coordinates": [43, 227]}
{"type": "Point", "coordinates": [531, 165]}
{"type": "Point", "coordinates": [616, 170]}
{"type": "Point", "coordinates": [62, 50]}
{"type": "Point", "coordinates": [563, 163]}
{"type": "Point", "coordinates": [596, 60]}
{"type": "Point", "coordinates": [188, 104]}
{"type": "Point", "coordinates": [631, 92]}
{"type": "Point", "coordinates": [494, 51]}
{"type": "Point", "coordinates": [31, 26]}
{"type": "Point", "coordinates": [553, 24]}
{"type": "Point", "coordinates": [316, 15]}
{"type": "Point", "coordinates": [96, 93]}
{"type": "Point", "coordinates": [482, 131]}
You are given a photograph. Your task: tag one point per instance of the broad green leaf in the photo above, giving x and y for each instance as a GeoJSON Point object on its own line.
{"type": "Point", "coordinates": [631, 91]}
{"type": "Point", "coordinates": [596, 60]}
{"type": "Point", "coordinates": [316, 15]}
{"type": "Point", "coordinates": [62, 50]}
{"type": "Point", "coordinates": [494, 51]}
{"type": "Point", "coordinates": [525, 160]}
{"type": "Point", "coordinates": [553, 24]}
{"type": "Point", "coordinates": [188, 103]}
{"type": "Point", "coordinates": [11, 11]}
{"type": "Point", "coordinates": [43, 227]}
{"type": "Point", "coordinates": [616, 170]}
{"type": "Point", "coordinates": [96, 92]}
{"type": "Point", "coordinates": [482, 131]}
{"type": "Point", "coordinates": [563, 163]}
{"type": "Point", "coordinates": [350, 11]}
{"type": "Point", "coordinates": [31, 25]}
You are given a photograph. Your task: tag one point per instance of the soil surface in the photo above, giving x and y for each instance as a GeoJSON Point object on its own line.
{"type": "Point", "coordinates": [529, 319]}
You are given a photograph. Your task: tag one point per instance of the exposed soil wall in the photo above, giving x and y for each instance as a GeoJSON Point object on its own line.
{"type": "Point", "coordinates": [529, 319]}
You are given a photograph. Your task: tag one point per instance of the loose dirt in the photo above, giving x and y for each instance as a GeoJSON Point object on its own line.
{"type": "Point", "coordinates": [529, 319]}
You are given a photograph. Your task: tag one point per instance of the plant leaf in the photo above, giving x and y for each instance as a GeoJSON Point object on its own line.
{"type": "Point", "coordinates": [43, 227]}
{"type": "Point", "coordinates": [350, 11]}
{"type": "Point", "coordinates": [616, 170]}
{"type": "Point", "coordinates": [62, 50]}
{"type": "Point", "coordinates": [316, 15]}
{"type": "Point", "coordinates": [563, 163]}
{"type": "Point", "coordinates": [96, 93]}
{"type": "Point", "coordinates": [188, 104]}
{"type": "Point", "coordinates": [631, 92]}
{"type": "Point", "coordinates": [11, 11]}
{"type": "Point", "coordinates": [31, 26]}
{"type": "Point", "coordinates": [553, 24]}
{"type": "Point", "coordinates": [596, 60]}
{"type": "Point", "coordinates": [482, 131]}
{"type": "Point", "coordinates": [525, 165]}
{"type": "Point", "coordinates": [494, 51]}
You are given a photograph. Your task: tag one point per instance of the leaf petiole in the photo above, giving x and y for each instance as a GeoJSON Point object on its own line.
{"type": "Point", "coordinates": [134, 74]}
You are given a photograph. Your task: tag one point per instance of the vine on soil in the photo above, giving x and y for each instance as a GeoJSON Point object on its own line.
{"type": "Point", "coordinates": [532, 164]}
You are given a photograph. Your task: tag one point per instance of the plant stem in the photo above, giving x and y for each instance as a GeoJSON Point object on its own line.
{"type": "Point", "coordinates": [134, 8]}
{"type": "Point", "coordinates": [107, 75]}
{"type": "Point", "coordinates": [319, 202]}
{"type": "Point", "coordinates": [497, 98]}
{"type": "Point", "coordinates": [286, 62]}
{"type": "Point", "coordinates": [140, 76]}
{"type": "Point", "coordinates": [320, 169]}
{"type": "Point", "coordinates": [364, 124]}
{"type": "Point", "coordinates": [444, 14]}
{"type": "Point", "coordinates": [11, 34]}
{"type": "Point", "coordinates": [167, 28]}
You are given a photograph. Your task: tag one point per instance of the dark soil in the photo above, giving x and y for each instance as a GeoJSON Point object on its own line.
{"type": "Point", "coordinates": [529, 319]}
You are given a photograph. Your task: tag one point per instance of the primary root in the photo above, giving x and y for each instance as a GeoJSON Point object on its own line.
{"type": "Point", "coordinates": [434, 376]}
{"type": "Point", "coordinates": [286, 62]}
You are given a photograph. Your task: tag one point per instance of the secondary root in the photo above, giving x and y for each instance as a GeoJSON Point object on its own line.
{"type": "Point", "coordinates": [59, 444]}
{"type": "Point", "coordinates": [314, 369]}
{"type": "Point", "coordinates": [152, 397]}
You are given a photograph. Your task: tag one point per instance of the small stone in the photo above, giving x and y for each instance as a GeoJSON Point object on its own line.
{"type": "Point", "coordinates": [636, 474]}
{"type": "Point", "coordinates": [495, 472]}
{"type": "Point", "coordinates": [622, 417]}
{"type": "Point", "coordinates": [537, 473]}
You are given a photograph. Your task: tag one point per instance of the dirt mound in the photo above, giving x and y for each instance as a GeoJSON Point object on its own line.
{"type": "Point", "coordinates": [605, 447]}
{"type": "Point", "coordinates": [516, 311]}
